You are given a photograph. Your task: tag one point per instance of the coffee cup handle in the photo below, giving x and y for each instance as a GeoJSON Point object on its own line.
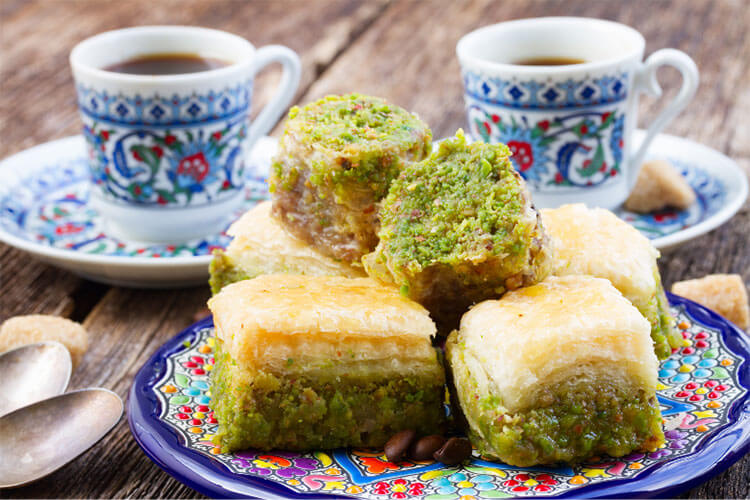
{"type": "Point", "coordinates": [291, 69]}
{"type": "Point", "coordinates": [646, 81]}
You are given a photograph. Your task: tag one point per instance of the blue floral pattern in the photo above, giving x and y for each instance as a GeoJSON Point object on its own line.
{"type": "Point", "coordinates": [182, 150]}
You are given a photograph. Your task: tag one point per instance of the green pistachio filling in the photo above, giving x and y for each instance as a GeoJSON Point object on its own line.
{"type": "Point", "coordinates": [460, 221]}
{"type": "Point", "coordinates": [293, 412]}
{"type": "Point", "coordinates": [223, 271]}
{"type": "Point", "coordinates": [576, 422]}
{"type": "Point", "coordinates": [663, 331]}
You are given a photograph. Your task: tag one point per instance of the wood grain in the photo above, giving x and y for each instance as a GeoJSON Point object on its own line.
{"type": "Point", "coordinates": [402, 50]}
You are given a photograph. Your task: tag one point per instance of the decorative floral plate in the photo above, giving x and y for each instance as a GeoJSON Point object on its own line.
{"type": "Point", "coordinates": [704, 391]}
{"type": "Point", "coordinates": [45, 210]}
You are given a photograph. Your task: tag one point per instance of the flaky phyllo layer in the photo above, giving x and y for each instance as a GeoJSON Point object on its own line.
{"type": "Point", "coordinates": [598, 243]}
{"type": "Point", "coordinates": [569, 421]}
{"type": "Point", "coordinates": [320, 362]}
{"type": "Point", "coordinates": [260, 245]}
{"type": "Point", "coordinates": [557, 372]}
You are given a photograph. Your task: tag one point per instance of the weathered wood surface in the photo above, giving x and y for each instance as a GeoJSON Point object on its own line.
{"type": "Point", "coordinates": [402, 50]}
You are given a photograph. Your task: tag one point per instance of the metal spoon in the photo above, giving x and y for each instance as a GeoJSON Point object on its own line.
{"type": "Point", "coordinates": [33, 372]}
{"type": "Point", "coordinates": [39, 439]}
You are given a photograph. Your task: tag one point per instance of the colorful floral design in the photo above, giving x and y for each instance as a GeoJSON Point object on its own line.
{"type": "Point", "coordinates": [167, 168]}
{"type": "Point", "coordinates": [184, 395]}
{"type": "Point", "coordinates": [567, 150]}
{"type": "Point", "coordinates": [181, 150]}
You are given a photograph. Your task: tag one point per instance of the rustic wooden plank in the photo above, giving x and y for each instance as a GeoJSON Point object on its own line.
{"type": "Point", "coordinates": [404, 52]}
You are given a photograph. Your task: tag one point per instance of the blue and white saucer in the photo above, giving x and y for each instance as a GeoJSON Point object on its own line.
{"type": "Point", "coordinates": [45, 210]}
{"type": "Point", "coordinates": [720, 185]}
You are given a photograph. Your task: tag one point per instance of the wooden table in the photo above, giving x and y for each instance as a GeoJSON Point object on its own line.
{"type": "Point", "coordinates": [402, 50]}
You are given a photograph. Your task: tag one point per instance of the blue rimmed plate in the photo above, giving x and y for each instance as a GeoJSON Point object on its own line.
{"type": "Point", "coordinates": [704, 391]}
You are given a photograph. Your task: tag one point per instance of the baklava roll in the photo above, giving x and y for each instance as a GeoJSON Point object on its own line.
{"type": "Point", "coordinates": [557, 372]}
{"type": "Point", "coordinates": [261, 246]}
{"type": "Point", "coordinates": [596, 242]}
{"type": "Point", "coordinates": [336, 159]}
{"type": "Point", "coordinates": [458, 228]}
{"type": "Point", "coordinates": [307, 363]}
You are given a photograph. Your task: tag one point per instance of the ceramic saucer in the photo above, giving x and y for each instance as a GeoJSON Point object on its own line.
{"type": "Point", "coordinates": [719, 183]}
{"type": "Point", "coordinates": [45, 210]}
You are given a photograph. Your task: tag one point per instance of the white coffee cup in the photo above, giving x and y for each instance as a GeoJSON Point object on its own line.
{"type": "Point", "coordinates": [569, 126]}
{"type": "Point", "coordinates": [167, 152]}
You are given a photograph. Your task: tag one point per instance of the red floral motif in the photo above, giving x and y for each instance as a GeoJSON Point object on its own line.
{"type": "Point", "coordinates": [558, 178]}
{"type": "Point", "coordinates": [195, 166]}
{"type": "Point", "coordinates": [68, 228]}
{"type": "Point", "coordinates": [495, 118]}
{"type": "Point", "coordinates": [665, 216]}
{"type": "Point", "coordinates": [375, 465]}
{"type": "Point", "coordinates": [522, 154]}
{"type": "Point", "coordinates": [544, 125]}
{"type": "Point", "coordinates": [487, 127]}
{"type": "Point", "coordinates": [169, 139]}
{"type": "Point", "coordinates": [399, 488]}
{"type": "Point", "coordinates": [605, 116]}
{"type": "Point", "coordinates": [159, 152]}
{"type": "Point", "coordinates": [216, 135]}
{"type": "Point", "coordinates": [104, 134]}
{"type": "Point", "coordinates": [137, 156]}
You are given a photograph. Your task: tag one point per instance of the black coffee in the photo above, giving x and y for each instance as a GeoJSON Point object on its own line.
{"type": "Point", "coordinates": [549, 61]}
{"type": "Point", "coordinates": [167, 64]}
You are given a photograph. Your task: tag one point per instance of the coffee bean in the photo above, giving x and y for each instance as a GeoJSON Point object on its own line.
{"type": "Point", "coordinates": [423, 448]}
{"type": "Point", "coordinates": [396, 447]}
{"type": "Point", "coordinates": [454, 451]}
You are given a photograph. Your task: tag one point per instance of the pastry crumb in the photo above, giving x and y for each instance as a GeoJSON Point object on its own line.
{"type": "Point", "coordinates": [659, 185]}
{"type": "Point", "coordinates": [724, 293]}
{"type": "Point", "coordinates": [22, 330]}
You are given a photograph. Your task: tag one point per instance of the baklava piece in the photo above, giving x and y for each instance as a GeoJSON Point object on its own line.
{"type": "Point", "coordinates": [261, 246]}
{"type": "Point", "coordinates": [557, 372]}
{"type": "Point", "coordinates": [458, 228]}
{"type": "Point", "coordinates": [598, 243]}
{"type": "Point", "coordinates": [724, 293]}
{"type": "Point", "coordinates": [306, 363]}
{"type": "Point", "coordinates": [336, 159]}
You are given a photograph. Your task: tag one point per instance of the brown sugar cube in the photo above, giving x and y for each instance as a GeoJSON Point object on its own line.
{"type": "Point", "coordinates": [22, 330]}
{"type": "Point", "coordinates": [659, 185]}
{"type": "Point", "coordinates": [724, 293]}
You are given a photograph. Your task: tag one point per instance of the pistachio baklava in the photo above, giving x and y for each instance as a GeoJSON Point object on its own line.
{"type": "Point", "coordinates": [596, 242]}
{"type": "Point", "coordinates": [260, 245]}
{"type": "Point", "coordinates": [312, 362]}
{"type": "Point", "coordinates": [336, 158]}
{"type": "Point", "coordinates": [458, 228]}
{"type": "Point", "coordinates": [557, 372]}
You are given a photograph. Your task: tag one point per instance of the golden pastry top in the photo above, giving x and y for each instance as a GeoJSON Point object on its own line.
{"type": "Point", "coordinates": [562, 327]}
{"type": "Point", "coordinates": [595, 241]}
{"type": "Point", "coordinates": [269, 320]}
{"type": "Point", "coordinates": [261, 243]}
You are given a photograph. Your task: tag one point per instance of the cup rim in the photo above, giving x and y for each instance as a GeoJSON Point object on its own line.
{"type": "Point", "coordinates": [84, 69]}
{"type": "Point", "coordinates": [466, 57]}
